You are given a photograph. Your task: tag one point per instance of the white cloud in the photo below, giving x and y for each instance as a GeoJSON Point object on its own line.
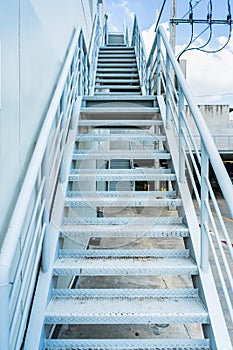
{"type": "Point", "coordinates": [124, 5]}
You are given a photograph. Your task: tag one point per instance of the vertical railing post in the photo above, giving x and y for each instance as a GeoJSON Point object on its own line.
{"type": "Point", "coordinates": [45, 260]}
{"type": "Point", "coordinates": [204, 254]}
{"type": "Point", "coordinates": [158, 68]}
{"type": "Point", "coordinates": [181, 137]}
{"type": "Point", "coordinates": [168, 93]}
{"type": "Point", "coordinates": [80, 85]}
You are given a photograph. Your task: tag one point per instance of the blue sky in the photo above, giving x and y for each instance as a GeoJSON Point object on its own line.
{"type": "Point", "coordinates": [217, 87]}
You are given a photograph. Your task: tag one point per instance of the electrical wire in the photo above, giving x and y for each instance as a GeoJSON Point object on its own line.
{"type": "Point", "coordinates": [229, 35]}
{"type": "Point", "coordinates": [209, 20]}
{"type": "Point", "coordinates": [192, 29]}
{"type": "Point", "coordinates": [197, 3]}
{"type": "Point", "coordinates": [160, 14]}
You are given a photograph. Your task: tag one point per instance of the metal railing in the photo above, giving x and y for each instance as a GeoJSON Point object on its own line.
{"type": "Point", "coordinates": [23, 245]}
{"type": "Point", "coordinates": [164, 77]}
{"type": "Point", "coordinates": [138, 43]}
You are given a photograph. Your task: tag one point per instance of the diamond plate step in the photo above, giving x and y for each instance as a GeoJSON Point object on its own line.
{"type": "Point", "coordinates": [117, 81]}
{"type": "Point", "coordinates": [115, 93]}
{"type": "Point", "coordinates": [125, 306]}
{"type": "Point", "coordinates": [130, 87]}
{"type": "Point", "coordinates": [122, 110]}
{"type": "Point", "coordinates": [130, 231]}
{"type": "Point", "coordinates": [119, 175]}
{"type": "Point", "coordinates": [118, 201]}
{"type": "Point", "coordinates": [112, 75]}
{"type": "Point", "coordinates": [124, 155]}
{"type": "Point", "coordinates": [124, 262]}
{"type": "Point", "coordinates": [129, 70]}
{"type": "Point", "coordinates": [122, 137]}
{"type": "Point", "coordinates": [139, 220]}
{"type": "Point", "coordinates": [109, 123]}
{"type": "Point", "coordinates": [117, 65]}
{"type": "Point", "coordinates": [127, 344]}
{"type": "Point", "coordinates": [119, 59]}
{"type": "Point", "coordinates": [120, 194]}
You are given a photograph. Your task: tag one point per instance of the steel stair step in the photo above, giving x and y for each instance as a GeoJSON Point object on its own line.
{"type": "Point", "coordinates": [127, 344]}
{"type": "Point", "coordinates": [116, 93]}
{"type": "Point", "coordinates": [142, 201]}
{"type": "Point", "coordinates": [121, 110]}
{"type": "Point", "coordinates": [116, 65]}
{"type": "Point", "coordinates": [131, 87]}
{"type": "Point", "coordinates": [120, 231]}
{"type": "Point", "coordinates": [129, 70]}
{"type": "Point", "coordinates": [93, 154]}
{"type": "Point", "coordinates": [119, 194]}
{"type": "Point", "coordinates": [122, 137]}
{"type": "Point", "coordinates": [120, 221]}
{"type": "Point", "coordinates": [117, 75]}
{"type": "Point", "coordinates": [143, 99]}
{"type": "Point", "coordinates": [125, 306]}
{"type": "Point", "coordinates": [120, 175]}
{"type": "Point", "coordinates": [99, 262]}
{"type": "Point", "coordinates": [114, 59]}
{"type": "Point", "coordinates": [117, 81]}
{"type": "Point", "coordinates": [109, 122]}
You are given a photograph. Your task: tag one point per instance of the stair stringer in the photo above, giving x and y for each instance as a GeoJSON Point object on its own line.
{"type": "Point", "coordinates": [34, 338]}
{"type": "Point", "coordinates": [217, 329]}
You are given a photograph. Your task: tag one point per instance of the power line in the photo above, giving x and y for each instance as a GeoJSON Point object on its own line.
{"type": "Point", "coordinates": [160, 14]}
{"type": "Point", "coordinates": [209, 21]}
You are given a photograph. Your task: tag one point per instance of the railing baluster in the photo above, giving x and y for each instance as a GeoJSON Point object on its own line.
{"type": "Point", "coordinates": [204, 257]}
{"type": "Point", "coordinates": [168, 93]}
{"type": "Point", "coordinates": [158, 68]}
{"type": "Point", "coordinates": [181, 137]}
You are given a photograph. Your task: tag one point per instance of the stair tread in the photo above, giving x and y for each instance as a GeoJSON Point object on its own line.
{"type": "Point", "coordinates": [85, 154]}
{"type": "Point", "coordinates": [99, 262]}
{"type": "Point", "coordinates": [127, 344]}
{"type": "Point", "coordinates": [119, 202]}
{"type": "Point", "coordinates": [115, 137]}
{"type": "Point", "coordinates": [125, 110]}
{"type": "Point", "coordinates": [131, 230]}
{"type": "Point", "coordinates": [118, 86]}
{"type": "Point", "coordinates": [120, 194]}
{"type": "Point", "coordinates": [117, 80]}
{"type": "Point", "coordinates": [109, 122]}
{"type": "Point", "coordinates": [141, 221]}
{"type": "Point", "coordinates": [125, 306]}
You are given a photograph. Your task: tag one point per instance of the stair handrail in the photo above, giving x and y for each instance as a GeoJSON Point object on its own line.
{"type": "Point", "coordinates": [25, 241]}
{"type": "Point", "coordinates": [138, 43]}
{"type": "Point", "coordinates": [165, 78]}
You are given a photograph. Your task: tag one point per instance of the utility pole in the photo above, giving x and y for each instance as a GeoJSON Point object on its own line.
{"type": "Point", "coordinates": [173, 26]}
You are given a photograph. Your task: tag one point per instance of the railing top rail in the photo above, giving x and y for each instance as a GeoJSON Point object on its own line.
{"type": "Point", "coordinates": [136, 25]}
{"type": "Point", "coordinates": [216, 162]}
{"type": "Point", "coordinates": [14, 230]}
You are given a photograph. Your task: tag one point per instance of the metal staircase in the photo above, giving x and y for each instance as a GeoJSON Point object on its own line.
{"type": "Point", "coordinates": [167, 256]}
{"type": "Point", "coordinates": [125, 261]}
{"type": "Point", "coordinates": [117, 71]}
{"type": "Point", "coordinates": [151, 214]}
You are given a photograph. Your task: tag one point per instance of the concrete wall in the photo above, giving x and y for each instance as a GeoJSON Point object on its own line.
{"type": "Point", "coordinates": [34, 37]}
{"type": "Point", "coordinates": [218, 120]}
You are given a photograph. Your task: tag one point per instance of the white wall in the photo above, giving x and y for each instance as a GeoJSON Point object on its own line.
{"type": "Point", "coordinates": [217, 118]}
{"type": "Point", "coordinates": [34, 38]}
